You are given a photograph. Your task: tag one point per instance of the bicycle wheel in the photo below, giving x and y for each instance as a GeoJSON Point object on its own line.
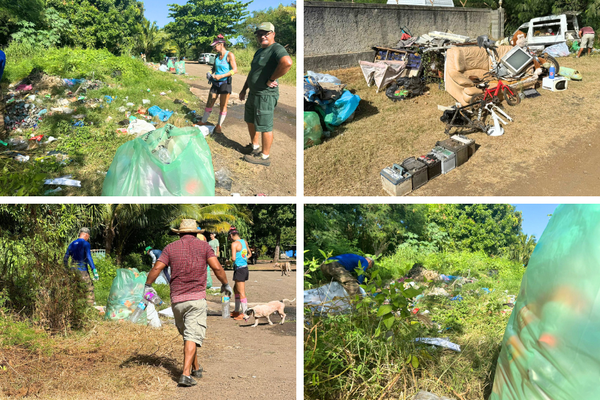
{"type": "Point", "coordinates": [477, 101]}
{"type": "Point", "coordinates": [511, 99]}
{"type": "Point", "coordinates": [552, 61]}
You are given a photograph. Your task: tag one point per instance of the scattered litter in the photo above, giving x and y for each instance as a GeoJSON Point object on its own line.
{"type": "Point", "coordinates": [205, 129]}
{"type": "Point", "coordinates": [139, 127]}
{"type": "Point", "coordinates": [167, 312]}
{"type": "Point", "coordinates": [223, 179]}
{"type": "Point", "coordinates": [24, 88]}
{"type": "Point", "coordinates": [64, 180]}
{"type": "Point", "coordinates": [329, 298]}
{"type": "Point", "coordinates": [163, 115]}
{"type": "Point", "coordinates": [442, 342]}
{"type": "Point", "coordinates": [52, 191]}
{"type": "Point", "coordinates": [145, 101]}
{"type": "Point", "coordinates": [21, 158]}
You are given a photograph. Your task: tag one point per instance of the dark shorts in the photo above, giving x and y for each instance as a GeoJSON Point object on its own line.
{"type": "Point", "coordinates": [259, 111]}
{"type": "Point", "coordinates": [240, 274]}
{"type": "Point", "coordinates": [225, 88]}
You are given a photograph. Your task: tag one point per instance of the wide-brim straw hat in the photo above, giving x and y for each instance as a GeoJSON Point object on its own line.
{"type": "Point", "coordinates": [188, 226]}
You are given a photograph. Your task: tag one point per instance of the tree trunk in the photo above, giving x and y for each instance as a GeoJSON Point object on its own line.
{"type": "Point", "coordinates": [277, 251]}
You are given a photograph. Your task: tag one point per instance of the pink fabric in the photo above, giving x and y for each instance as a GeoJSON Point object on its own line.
{"type": "Point", "coordinates": [224, 113]}
{"type": "Point", "coordinates": [237, 296]}
{"type": "Point", "coordinates": [587, 30]}
{"type": "Point", "coordinates": [24, 88]}
{"type": "Point", "coordinates": [208, 109]}
{"type": "Point", "coordinates": [244, 300]}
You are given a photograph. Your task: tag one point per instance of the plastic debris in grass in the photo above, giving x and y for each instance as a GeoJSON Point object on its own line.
{"type": "Point", "coordinates": [442, 342]}
{"type": "Point", "coordinates": [64, 181]}
{"type": "Point", "coordinates": [330, 298]}
{"type": "Point", "coordinates": [223, 179]}
{"type": "Point", "coordinates": [139, 127]}
{"type": "Point", "coordinates": [163, 115]}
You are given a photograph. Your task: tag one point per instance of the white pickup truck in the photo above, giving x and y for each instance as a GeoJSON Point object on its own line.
{"type": "Point", "coordinates": [547, 31]}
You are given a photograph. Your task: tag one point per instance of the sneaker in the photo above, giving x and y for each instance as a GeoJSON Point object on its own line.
{"type": "Point", "coordinates": [257, 159]}
{"type": "Point", "coordinates": [187, 381]}
{"type": "Point", "coordinates": [239, 317]}
{"type": "Point", "coordinates": [250, 150]}
{"type": "Point", "coordinates": [197, 373]}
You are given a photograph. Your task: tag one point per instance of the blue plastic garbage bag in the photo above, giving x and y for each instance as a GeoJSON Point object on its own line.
{"type": "Point", "coordinates": [163, 115]}
{"type": "Point", "coordinates": [342, 109]}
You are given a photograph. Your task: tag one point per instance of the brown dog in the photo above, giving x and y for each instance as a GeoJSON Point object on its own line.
{"type": "Point", "coordinates": [265, 310]}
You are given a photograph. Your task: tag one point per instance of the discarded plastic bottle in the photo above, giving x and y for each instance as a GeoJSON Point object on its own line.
{"type": "Point", "coordinates": [153, 298]}
{"type": "Point", "coordinates": [225, 306]}
{"type": "Point", "coordinates": [163, 155]}
{"type": "Point", "coordinates": [552, 72]}
{"type": "Point", "coordinates": [138, 311]}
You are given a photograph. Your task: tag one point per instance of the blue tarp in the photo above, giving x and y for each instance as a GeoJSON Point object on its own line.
{"type": "Point", "coordinates": [163, 115]}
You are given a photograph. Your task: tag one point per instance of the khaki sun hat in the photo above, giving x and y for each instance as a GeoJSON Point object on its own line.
{"type": "Point", "coordinates": [187, 226]}
{"type": "Point", "coordinates": [265, 26]}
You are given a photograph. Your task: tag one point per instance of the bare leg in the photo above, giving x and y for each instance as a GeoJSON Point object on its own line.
{"type": "Point", "coordinates": [189, 357]}
{"type": "Point", "coordinates": [253, 135]}
{"type": "Point", "coordinates": [212, 98]}
{"type": "Point", "coordinates": [223, 106]}
{"type": "Point", "coordinates": [267, 141]}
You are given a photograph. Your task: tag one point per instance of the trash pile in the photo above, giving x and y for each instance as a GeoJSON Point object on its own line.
{"type": "Point", "coordinates": [412, 173]}
{"type": "Point", "coordinates": [327, 104]}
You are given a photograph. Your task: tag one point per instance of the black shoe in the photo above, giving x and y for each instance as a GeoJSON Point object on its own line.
{"type": "Point", "coordinates": [250, 150]}
{"type": "Point", "coordinates": [197, 373]}
{"type": "Point", "coordinates": [186, 381]}
{"type": "Point", "coordinates": [257, 159]}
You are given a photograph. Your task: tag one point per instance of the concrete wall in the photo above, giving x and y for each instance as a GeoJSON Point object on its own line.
{"type": "Point", "coordinates": [337, 35]}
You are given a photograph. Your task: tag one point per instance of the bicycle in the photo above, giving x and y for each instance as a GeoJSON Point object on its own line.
{"type": "Point", "coordinates": [492, 95]}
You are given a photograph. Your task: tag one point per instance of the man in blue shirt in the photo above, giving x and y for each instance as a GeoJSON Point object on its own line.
{"type": "Point", "coordinates": [155, 255]}
{"type": "Point", "coordinates": [81, 258]}
{"type": "Point", "coordinates": [2, 63]}
{"type": "Point", "coordinates": [340, 268]}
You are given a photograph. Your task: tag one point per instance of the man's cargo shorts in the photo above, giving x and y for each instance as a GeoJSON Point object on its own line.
{"type": "Point", "coordinates": [259, 111]}
{"type": "Point", "coordinates": [190, 320]}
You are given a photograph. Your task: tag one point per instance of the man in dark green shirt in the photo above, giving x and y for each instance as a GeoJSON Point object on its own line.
{"type": "Point", "coordinates": [270, 63]}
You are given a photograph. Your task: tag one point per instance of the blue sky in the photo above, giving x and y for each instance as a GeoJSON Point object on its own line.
{"type": "Point", "coordinates": [158, 10]}
{"type": "Point", "coordinates": [535, 217]}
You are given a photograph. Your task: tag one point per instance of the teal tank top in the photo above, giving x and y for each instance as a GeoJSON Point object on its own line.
{"type": "Point", "coordinates": [222, 66]}
{"type": "Point", "coordinates": [241, 257]}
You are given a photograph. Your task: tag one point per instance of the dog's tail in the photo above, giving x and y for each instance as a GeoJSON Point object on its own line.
{"type": "Point", "coordinates": [288, 300]}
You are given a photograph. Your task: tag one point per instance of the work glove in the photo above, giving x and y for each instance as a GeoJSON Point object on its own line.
{"type": "Point", "coordinates": [225, 288]}
{"type": "Point", "coordinates": [95, 272]}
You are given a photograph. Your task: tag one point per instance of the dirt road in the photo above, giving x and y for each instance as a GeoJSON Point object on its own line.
{"type": "Point", "coordinates": [279, 179]}
{"type": "Point", "coordinates": [242, 362]}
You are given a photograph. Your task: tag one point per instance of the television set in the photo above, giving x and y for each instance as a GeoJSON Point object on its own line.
{"type": "Point", "coordinates": [516, 60]}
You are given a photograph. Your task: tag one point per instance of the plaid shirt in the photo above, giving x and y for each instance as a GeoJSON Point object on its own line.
{"type": "Point", "coordinates": [188, 258]}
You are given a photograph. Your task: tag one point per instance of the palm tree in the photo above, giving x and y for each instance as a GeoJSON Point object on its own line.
{"type": "Point", "coordinates": [523, 249]}
{"type": "Point", "coordinates": [214, 218]}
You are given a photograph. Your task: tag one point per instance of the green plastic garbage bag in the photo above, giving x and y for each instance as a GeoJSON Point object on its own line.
{"type": "Point", "coordinates": [551, 347]}
{"type": "Point", "coordinates": [575, 47]}
{"type": "Point", "coordinates": [313, 132]}
{"type": "Point", "coordinates": [208, 278]}
{"type": "Point", "coordinates": [170, 64]}
{"type": "Point", "coordinates": [180, 67]}
{"type": "Point", "coordinates": [125, 294]}
{"type": "Point", "coordinates": [169, 161]}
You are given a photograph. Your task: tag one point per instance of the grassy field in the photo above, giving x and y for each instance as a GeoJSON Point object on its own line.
{"type": "Point", "coordinates": [355, 355]}
{"type": "Point", "coordinates": [385, 132]}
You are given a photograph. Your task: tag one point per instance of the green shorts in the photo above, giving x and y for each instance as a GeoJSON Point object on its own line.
{"type": "Point", "coordinates": [190, 320]}
{"type": "Point", "coordinates": [259, 111]}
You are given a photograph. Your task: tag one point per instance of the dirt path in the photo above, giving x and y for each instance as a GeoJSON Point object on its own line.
{"type": "Point", "coordinates": [279, 179]}
{"type": "Point", "coordinates": [242, 362]}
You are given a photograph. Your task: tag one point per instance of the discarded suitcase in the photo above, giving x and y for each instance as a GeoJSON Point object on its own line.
{"type": "Point", "coordinates": [434, 166]}
{"type": "Point", "coordinates": [418, 170]}
{"type": "Point", "coordinates": [469, 142]}
{"type": "Point", "coordinates": [446, 157]}
{"type": "Point", "coordinates": [396, 180]}
{"type": "Point", "coordinates": [458, 148]}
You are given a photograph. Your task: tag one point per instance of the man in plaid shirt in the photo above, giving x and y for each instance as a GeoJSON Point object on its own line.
{"type": "Point", "coordinates": [188, 258]}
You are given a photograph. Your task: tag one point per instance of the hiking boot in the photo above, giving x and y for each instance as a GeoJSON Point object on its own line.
{"type": "Point", "coordinates": [187, 381]}
{"type": "Point", "coordinates": [197, 373]}
{"type": "Point", "coordinates": [257, 159]}
{"type": "Point", "coordinates": [239, 317]}
{"type": "Point", "coordinates": [250, 150]}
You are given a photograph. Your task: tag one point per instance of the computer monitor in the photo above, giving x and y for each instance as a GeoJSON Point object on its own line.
{"type": "Point", "coordinates": [516, 60]}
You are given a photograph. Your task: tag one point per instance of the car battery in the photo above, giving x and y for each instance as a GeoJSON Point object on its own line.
{"type": "Point", "coordinates": [434, 166]}
{"type": "Point", "coordinates": [460, 149]}
{"type": "Point", "coordinates": [467, 141]}
{"type": "Point", "coordinates": [396, 180]}
{"type": "Point", "coordinates": [418, 170]}
{"type": "Point", "coordinates": [446, 157]}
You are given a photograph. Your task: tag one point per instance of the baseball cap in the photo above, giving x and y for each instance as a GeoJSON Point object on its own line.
{"type": "Point", "coordinates": [265, 26]}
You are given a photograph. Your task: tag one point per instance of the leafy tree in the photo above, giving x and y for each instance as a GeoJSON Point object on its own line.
{"type": "Point", "coordinates": [522, 250]}
{"type": "Point", "coordinates": [47, 37]}
{"type": "Point", "coordinates": [273, 220]}
{"type": "Point", "coordinates": [198, 22]}
{"type": "Point", "coordinates": [14, 11]}
{"type": "Point", "coordinates": [284, 20]}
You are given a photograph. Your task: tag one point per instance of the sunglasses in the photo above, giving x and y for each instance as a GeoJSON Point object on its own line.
{"type": "Point", "coordinates": [258, 34]}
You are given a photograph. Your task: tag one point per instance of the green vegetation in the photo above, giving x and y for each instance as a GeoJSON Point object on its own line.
{"type": "Point", "coordinates": [371, 352]}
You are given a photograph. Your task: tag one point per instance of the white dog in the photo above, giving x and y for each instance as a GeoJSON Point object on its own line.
{"type": "Point", "coordinates": [265, 310]}
{"type": "Point", "coordinates": [286, 268]}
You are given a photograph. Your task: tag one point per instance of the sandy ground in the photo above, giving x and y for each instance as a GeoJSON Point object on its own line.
{"type": "Point", "coordinates": [551, 148]}
{"type": "Point", "coordinates": [242, 362]}
{"type": "Point", "coordinates": [279, 179]}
